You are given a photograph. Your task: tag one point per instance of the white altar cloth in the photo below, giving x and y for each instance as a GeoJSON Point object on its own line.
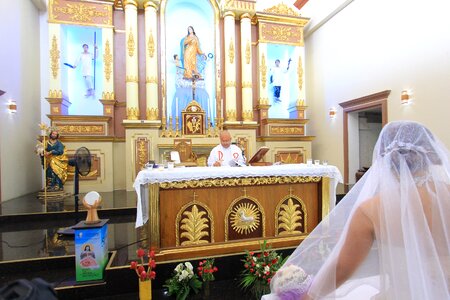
{"type": "Point", "coordinates": [151, 176]}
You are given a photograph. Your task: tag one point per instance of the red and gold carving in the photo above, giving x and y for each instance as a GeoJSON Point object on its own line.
{"type": "Point", "coordinates": [289, 157]}
{"type": "Point", "coordinates": [80, 13]}
{"type": "Point", "coordinates": [281, 33]}
{"type": "Point", "coordinates": [286, 130]}
{"type": "Point", "coordinates": [87, 129]}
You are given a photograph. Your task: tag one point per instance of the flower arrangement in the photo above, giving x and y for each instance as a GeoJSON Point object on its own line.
{"type": "Point", "coordinates": [206, 269]}
{"type": "Point", "coordinates": [143, 273]}
{"type": "Point", "coordinates": [183, 280]}
{"type": "Point", "coordinates": [259, 270]}
{"type": "Point", "coordinates": [292, 282]}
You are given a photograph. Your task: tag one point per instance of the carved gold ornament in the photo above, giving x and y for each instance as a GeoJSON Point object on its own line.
{"type": "Point", "coordinates": [130, 43]}
{"type": "Point", "coordinates": [300, 73]}
{"type": "Point", "coordinates": [151, 45]}
{"type": "Point", "coordinates": [289, 218]}
{"type": "Point", "coordinates": [108, 59]}
{"type": "Point", "coordinates": [231, 51]}
{"type": "Point", "coordinates": [108, 96]}
{"type": "Point", "coordinates": [247, 53]}
{"type": "Point", "coordinates": [247, 115]}
{"type": "Point", "coordinates": [263, 71]}
{"type": "Point", "coordinates": [245, 218]}
{"type": "Point", "coordinates": [226, 182]}
{"type": "Point", "coordinates": [282, 9]}
{"type": "Point", "coordinates": [142, 152]}
{"type": "Point", "coordinates": [231, 115]}
{"type": "Point", "coordinates": [54, 93]}
{"type": "Point", "coordinates": [195, 227]}
{"type": "Point", "coordinates": [247, 84]}
{"type": "Point", "coordinates": [152, 114]}
{"type": "Point", "coordinates": [131, 78]}
{"type": "Point", "coordinates": [133, 113]}
{"type": "Point", "coordinates": [230, 83]}
{"type": "Point", "coordinates": [152, 79]}
{"type": "Point", "coordinates": [281, 33]}
{"type": "Point", "coordinates": [81, 129]}
{"type": "Point", "coordinates": [54, 57]}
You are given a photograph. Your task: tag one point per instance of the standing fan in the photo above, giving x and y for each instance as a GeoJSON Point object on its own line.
{"type": "Point", "coordinates": [82, 163]}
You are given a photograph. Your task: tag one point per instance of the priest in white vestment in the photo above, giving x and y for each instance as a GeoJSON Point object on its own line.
{"type": "Point", "coordinates": [225, 154]}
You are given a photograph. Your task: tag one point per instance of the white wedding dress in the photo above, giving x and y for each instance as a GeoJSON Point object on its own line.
{"type": "Point", "coordinates": [389, 238]}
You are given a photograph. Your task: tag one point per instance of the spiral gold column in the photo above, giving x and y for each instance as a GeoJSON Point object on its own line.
{"type": "Point", "coordinates": [246, 68]}
{"type": "Point", "coordinates": [131, 61]}
{"type": "Point", "coordinates": [230, 67]}
{"type": "Point", "coordinates": [151, 61]}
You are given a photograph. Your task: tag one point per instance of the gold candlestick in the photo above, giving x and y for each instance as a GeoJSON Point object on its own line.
{"type": "Point", "coordinates": [177, 123]}
{"type": "Point", "coordinates": [170, 133]}
{"type": "Point", "coordinates": [163, 125]}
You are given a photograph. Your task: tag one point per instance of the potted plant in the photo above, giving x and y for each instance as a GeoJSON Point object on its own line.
{"type": "Point", "coordinates": [183, 281]}
{"type": "Point", "coordinates": [205, 271]}
{"type": "Point", "coordinates": [259, 268]}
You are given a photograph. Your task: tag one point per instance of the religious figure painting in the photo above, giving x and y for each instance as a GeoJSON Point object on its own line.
{"type": "Point", "coordinates": [190, 58]}
{"type": "Point", "coordinates": [282, 86]}
{"type": "Point", "coordinates": [82, 69]}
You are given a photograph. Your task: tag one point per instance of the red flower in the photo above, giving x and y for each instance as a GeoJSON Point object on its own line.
{"type": "Point", "coordinates": [274, 261]}
{"type": "Point", "coordinates": [141, 269]}
{"type": "Point", "coordinates": [151, 254]}
{"type": "Point", "coordinates": [152, 275]}
{"type": "Point", "coordinates": [140, 252]}
{"type": "Point", "coordinates": [133, 265]}
{"type": "Point", "coordinates": [268, 280]}
{"type": "Point", "coordinates": [252, 253]}
{"type": "Point", "coordinates": [143, 275]}
{"type": "Point", "coordinates": [215, 269]}
{"type": "Point", "coordinates": [200, 268]}
{"type": "Point", "coordinates": [251, 270]}
{"type": "Point", "coordinates": [152, 264]}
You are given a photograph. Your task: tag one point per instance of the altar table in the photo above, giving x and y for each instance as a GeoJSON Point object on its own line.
{"type": "Point", "coordinates": [206, 211]}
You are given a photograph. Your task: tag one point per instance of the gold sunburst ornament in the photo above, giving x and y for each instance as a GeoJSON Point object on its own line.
{"type": "Point", "coordinates": [245, 218]}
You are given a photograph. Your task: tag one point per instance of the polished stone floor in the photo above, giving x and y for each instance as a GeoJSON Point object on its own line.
{"type": "Point", "coordinates": [32, 247]}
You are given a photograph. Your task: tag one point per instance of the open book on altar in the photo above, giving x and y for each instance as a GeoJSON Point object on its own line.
{"type": "Point", "coordinates": [257, 157]}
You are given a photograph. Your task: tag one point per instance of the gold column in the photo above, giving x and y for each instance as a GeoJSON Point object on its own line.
{"type": "Point", "coordinates": [151, 65]}
{"type": "Point", "coordinates": [246, 68]}
{"type": "Point", "coordinates": [230, 67]}
{"type": "Point", "coordinates": [131, 60]}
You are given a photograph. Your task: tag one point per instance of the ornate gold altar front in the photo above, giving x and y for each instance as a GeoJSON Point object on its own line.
{"type": "Point", "coordinates": [198, 218]}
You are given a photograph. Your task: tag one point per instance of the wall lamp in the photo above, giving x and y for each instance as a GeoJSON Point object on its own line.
{"type": "Point", "coordinates": [12, 106]}
{"type": "Point", "coordinates": [406, 97]}
{"type": "Point", "coordinates": [332, 112]}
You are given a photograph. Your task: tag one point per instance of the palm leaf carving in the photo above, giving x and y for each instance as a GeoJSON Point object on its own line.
{"type": "Point", "coordinates": [194, 225]}
{"type": "Point", "coordinates": [290, 217]}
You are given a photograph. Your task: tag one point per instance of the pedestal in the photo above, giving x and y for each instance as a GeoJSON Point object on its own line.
{"type": "Point", "coordinates": [91, 251]}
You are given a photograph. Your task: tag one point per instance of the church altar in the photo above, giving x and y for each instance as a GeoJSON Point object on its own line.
{"type": "Point", "coordinates": [204, 211]}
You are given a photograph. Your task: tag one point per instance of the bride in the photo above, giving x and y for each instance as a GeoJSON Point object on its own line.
{"type": "Point", "coordinates": [389, 238]}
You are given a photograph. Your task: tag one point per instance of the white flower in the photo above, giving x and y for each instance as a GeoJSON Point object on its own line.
{"type": "Point", "coordinates": [189, 265]}
{"type": "Point", "coordinates": [266, 269]}
{"type": "Point", "coordinates": [184, 274]}
{"type": "Point", "coordinates": [257, 265]}
{"type": "Point", "coordinates": [179, 267]}
{"type": "Point", "coordinates": [254, 259]}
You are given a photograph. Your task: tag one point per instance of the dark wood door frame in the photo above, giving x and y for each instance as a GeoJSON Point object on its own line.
{"type": "Point", "coordinates": [363, 103]}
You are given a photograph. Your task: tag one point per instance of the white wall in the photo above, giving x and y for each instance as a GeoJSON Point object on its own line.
{"type": "Point", "coordinates": [372, 46]}
{"type": "Point", "coordinates": [20, 78]}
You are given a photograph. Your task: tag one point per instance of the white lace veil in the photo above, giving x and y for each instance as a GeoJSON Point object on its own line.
{"type": "Point", "coordinates": [405, 195]}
